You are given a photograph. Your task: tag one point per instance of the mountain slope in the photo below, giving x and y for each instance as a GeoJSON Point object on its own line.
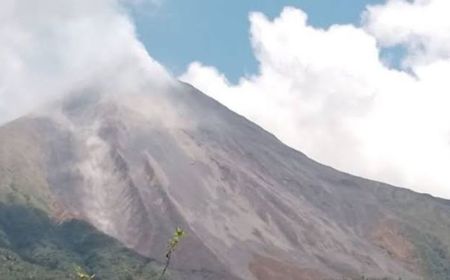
{"type": "Point", "coordinates": [137, 165]}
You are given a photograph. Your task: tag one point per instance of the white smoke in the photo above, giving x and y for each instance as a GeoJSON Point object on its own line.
{"type": "Point", "coordinates": [50, 47]}
{"type": "Point", "coordinates": [328, 92]}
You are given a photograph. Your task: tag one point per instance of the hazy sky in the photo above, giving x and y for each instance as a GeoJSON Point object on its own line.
{"type": "Point", "coordinates": [177, 32]}
{"type": "Point", "coordinates": [361, 86]}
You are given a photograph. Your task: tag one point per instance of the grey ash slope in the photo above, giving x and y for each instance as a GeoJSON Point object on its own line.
{"type": "Point", "coordinates": [137, 165]}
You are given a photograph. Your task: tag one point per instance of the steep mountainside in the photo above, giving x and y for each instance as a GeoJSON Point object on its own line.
{"type": "Point", "coordinates": [137, 165]}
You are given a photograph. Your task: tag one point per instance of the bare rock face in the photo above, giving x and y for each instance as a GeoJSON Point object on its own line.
{"type": "Point", "coordinates": [137, 165]}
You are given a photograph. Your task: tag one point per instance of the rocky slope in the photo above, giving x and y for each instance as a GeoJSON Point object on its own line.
{"type": "Point", "coordinates": [137, 165]}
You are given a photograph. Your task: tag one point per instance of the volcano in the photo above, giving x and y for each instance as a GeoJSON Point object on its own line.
{"type": "Point", "coordinates": [136, 165]}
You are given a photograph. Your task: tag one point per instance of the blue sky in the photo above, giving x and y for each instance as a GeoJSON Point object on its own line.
{"type": "Point", "coordinates": [216, 32]}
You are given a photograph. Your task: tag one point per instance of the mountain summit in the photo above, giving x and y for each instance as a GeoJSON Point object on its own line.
{"type": "Point", "coordinates": [137, 165]}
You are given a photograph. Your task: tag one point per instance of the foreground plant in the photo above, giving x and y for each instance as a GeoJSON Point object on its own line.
{"type": "Point", "coordinates": [173, 243]}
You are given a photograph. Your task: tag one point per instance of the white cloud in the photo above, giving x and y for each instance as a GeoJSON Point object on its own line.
{"type": "Point", "coordinates": [50, 47]}
{"type": "Point", "coordinates": [422, 27]}
{"type": "Point", "coordinates": [328, 93]}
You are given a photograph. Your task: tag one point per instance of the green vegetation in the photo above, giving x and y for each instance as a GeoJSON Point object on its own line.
{"type": "Point", "coordinates": [32, 246]}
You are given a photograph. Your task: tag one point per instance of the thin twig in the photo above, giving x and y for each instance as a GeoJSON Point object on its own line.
{"type": "Point", "coordinates": [169, 254]}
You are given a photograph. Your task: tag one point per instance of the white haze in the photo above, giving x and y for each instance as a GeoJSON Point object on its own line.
{"type": "Point", "coordinates": [51, 47]}
{"type": "Point", "coordinates": [329, 93]}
